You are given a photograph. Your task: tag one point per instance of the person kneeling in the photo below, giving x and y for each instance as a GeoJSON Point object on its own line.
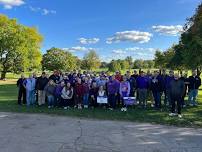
{"type": "Point", "coordinates": [67, 94]}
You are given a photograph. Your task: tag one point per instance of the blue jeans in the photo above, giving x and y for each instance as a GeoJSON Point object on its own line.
{"type": "Point", "coordinates": [30, 97]}
{"type": "Point", "coordinates": [85, 99]}
{"type": "Point", "coordinates": [50, 100]}
{"type": "Point", "coordinates": [157, 99]}
{"type": "Point", "coordinates": [192, 96]}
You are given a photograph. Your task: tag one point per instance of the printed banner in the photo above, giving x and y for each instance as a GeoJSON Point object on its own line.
{"type": "Point", "coordinates": [129, 100]}
{"type": "Point", "coordinates": [102, 100]}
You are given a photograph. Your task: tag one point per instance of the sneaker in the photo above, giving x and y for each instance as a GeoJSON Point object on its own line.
{"type": "Point", "coordinates": [111, 109]}
{"type": "Point", "coordinates": [191, 105]}
{"type": "Point", "coordinates": [65, 108]}
{"type": "Point", "coordinates": [122, 109]}
{"type": "Point", "coordinates": [184, 106]}
{"type": "Point", "coordinates": [79, 107]}
{"type": "Point", "coordinates": [179, 116]}
{"type": "Point", "coordinates": [49, 107]}
{"type": "Point", "coordinates": [172, 114]}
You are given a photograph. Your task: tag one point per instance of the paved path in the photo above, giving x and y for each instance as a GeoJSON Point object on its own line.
{"type": "Point", "coordinates": [45, 133]}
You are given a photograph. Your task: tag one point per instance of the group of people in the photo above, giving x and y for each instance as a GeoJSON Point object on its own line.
{"type": "Point", "coordinates": [83, 89]}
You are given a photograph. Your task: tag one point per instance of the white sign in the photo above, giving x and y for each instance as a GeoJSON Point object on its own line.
{"type": "Point", "coordinates": [102, 100]}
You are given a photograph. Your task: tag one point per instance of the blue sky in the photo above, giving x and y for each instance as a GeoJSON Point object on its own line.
{"type": "Point", "coordinates": [114, 28]}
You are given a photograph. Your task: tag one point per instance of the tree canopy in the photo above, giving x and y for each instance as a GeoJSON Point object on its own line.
{"type": "Point", "coordinates": [19, 46]}
{"type": "Point", "coordinates": [58, 59]}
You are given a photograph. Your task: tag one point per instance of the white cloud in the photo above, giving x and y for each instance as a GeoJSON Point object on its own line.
{"type": "Point", "coordinates": [119, 51]}
{"type": "Point", "coordinates": [9, 4]}
{"type": "Point", "coordinates": [43, 11]}
{"type": "Point", "coordinates": [133, 36]}
{"type": "Point", "coordinates": [88, 41]}
{"type": "Point", "coordinates": [79, 49]}
{"type": "Point", "coordinates": [172, 30]}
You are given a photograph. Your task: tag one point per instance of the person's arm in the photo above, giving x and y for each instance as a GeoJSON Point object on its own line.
{"type": "Point", "coordinates": [128, 91]}
{"type": "Point", "coordinates": [18, 83]}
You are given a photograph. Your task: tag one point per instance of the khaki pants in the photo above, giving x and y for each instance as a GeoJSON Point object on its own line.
{"type": "Point", "coordinates": [41, 97]}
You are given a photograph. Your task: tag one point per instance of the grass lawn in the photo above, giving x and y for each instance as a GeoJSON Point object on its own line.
{"type": "Point", "coordinates": [192, 116]}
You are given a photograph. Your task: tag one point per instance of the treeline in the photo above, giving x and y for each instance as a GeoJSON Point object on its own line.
{"type": "Point", "coordinates": [187, 54]}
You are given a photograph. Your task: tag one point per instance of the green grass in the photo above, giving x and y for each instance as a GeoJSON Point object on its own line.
{"type": "Point", "coordinates": [192, 117]}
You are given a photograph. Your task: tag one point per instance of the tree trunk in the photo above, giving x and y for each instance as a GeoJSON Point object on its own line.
{"type": "Point", "coordinates": [3, 75]}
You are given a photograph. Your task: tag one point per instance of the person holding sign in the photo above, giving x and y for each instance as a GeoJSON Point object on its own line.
{"type": "Point", "coordinates": [102, 96]}
{"type": "Point", "coordinates": [124, 91]}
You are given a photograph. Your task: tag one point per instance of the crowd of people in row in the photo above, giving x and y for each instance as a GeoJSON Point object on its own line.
{"type": "Point", "coordinates": [82, 89]}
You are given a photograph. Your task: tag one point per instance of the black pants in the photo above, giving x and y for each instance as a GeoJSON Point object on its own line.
{"type": "Point", "coordinates": [22, 94]}
{"type": "Point", "coordinates": [93, 102]}
{"type": "Point", "coordinates": [178, 100]}
{"type": "Point", "coordinates": [112, 100]}
{"type": "Point", "coordinates": [67, 102]}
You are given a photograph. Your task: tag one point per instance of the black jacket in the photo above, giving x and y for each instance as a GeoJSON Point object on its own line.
{"type": "Point", "coordinates": [156, 84]}
{"type": "Point", "coordinates": [20, 83]}
{"type": "Point", "coordinates": [177, 88]}
{"type": "Point", "coordinates": [41, 83]}
{"type": "Point", "coordinates": [194, 82]}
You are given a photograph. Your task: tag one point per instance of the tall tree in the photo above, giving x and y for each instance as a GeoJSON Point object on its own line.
{"type": "Point", "coordinates": [16, 42]}
{"type": "Point", "coordinates": [58, 59]}
{"type": "Point", "coordinates": [91, 61]}
{"type": "Point", "coordinates": [191, 40]}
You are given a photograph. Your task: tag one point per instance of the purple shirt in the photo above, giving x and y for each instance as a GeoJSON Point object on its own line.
{"type": "Point", "coordinates": [142, 82]}
{"type": "Point", "coordinates": [58, 90]}
{"type": "Point", "coordinates": [124, 88]}
{"type": "Point", "coordinates": [113, 87]}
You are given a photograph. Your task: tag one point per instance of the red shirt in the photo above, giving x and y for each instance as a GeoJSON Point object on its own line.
{"type": "Point", "coordinates": [79, 89]}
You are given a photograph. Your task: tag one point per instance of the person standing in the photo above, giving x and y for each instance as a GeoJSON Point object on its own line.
{"type": "Point", "coordinates": [67, 96]}
{"type": "Point", "coordinates": [42, 81]}
{"type": "Point", "coordinates": [168, 79]}
{"type": "Point", "coordinates": [113, 90]}
{"type": "Point", "coordinates": [86, 88]}
{"type": "Point", "coordinates": [30, 84]}
{"type": "Point", "coordinates": [142, 86]}
{"type": "Point", "coordinates": [124, 91]}
{"type": "Point", "coordinates": [79, 91]}
{"type": "Point", "coordinates": [194, 84]}
{"type": "Point", "coordinates": [156, 88]}
{"type": "Point", "coordinates": [21, 90]}
{"type": "Point", "coordinates": [176, 91]}
{"type": "Point", "coordinates": [93, 94]}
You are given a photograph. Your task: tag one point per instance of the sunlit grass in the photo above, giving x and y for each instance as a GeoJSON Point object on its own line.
{"type": "Point", "coordinates": [192, 116]}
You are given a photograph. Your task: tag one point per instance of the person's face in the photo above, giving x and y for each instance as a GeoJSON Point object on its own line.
{"type": "Point", "coordinates": [113, 78]}
{"type": "Point", "coordinates": [22, 76]}
{"type": "Point", "coordinates": [142, 74]}
{"type": "Point", "coordinates": [171, 73]}
{"type": "Point", "coordinates": [194, 72]}
{"type": "Point", "coordinates": [124, 78]}
{"type": "Point", "coordinates": [43, 75]}
{"type": "Point", "coordinates": [79, 81]}
{"type": "Point", "coordinates": [62, 83]}
{"type": "Point", "coordinates": [155, 73]}
{"type": "Point", "coordinates": [135, 72]}
{"type": "Point", "coordinates": [65, 77]}
{"type": "Point", "coordinates": [94, 85]}
{"type": "Point", "coordinates": [51, 82]}
{"type": "Point", "coordinates": [176, 76]}
{"type": "Point", "coordinates": [101, 87]}
{"type": "Point", "coordinates": [68, 85]}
